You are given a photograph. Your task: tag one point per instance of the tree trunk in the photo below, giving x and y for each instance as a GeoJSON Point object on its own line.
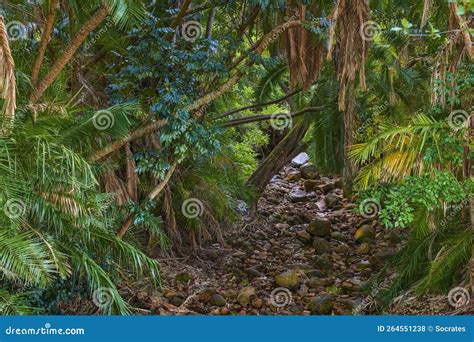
{"type": "Point", "coordinates": [349, 128]}
{"type": "Point", "coordinates": [281, 155]}
{"type": "Point", "coordinates": [67, 55]}
{"type": "Point", "coordinates": [48, 28]}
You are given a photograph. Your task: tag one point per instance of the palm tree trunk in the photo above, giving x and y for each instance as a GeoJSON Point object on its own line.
{"type": "Point", "coordinates": [48, 28]}
{"type": "Point", "coordinates": [71, 49]}
{"type": "Point", "coordinates": [286, 149]}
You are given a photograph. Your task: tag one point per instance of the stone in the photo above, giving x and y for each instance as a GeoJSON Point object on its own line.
{"type": "Point", "coordinates": [379, 257]}
{"type": "Point", "coordinates": [314, 283]}
{"type": "Point", "coordinates": [256, 303]}
{"type": "Point", "coordinates": [287, 279]}
{"type": "Point", "coordinates": [339, 184]}
{"type": "Point", "coordinates": [364, 233]}
{"type": "Point", "coordinates": [297, 195]}
{"type": "Point", "coordinates": [394, 236]}
{"type": "Point", "coordinates": [176, 301]}
{"type": "Point", "coordinates": [326, 188]}
{"type": "Point", "coordinates": [244, 295]}
{"type": "Point", "coordinates": [303, 236]}
{"type": "Point", "coordinates": [321, 305]}
{"type": "Point", "coordinates": [322, 262]}
{"type": "Point", "coordinates": [364, 248]}
{"type": "Point", "coordinates": [253, 273]}
{"type": "Point", "coordinates": [338, 236]}
{"type": "Point", "coordinates": [230, 294]}
{"type": "Point", "coordinates": [309, 171]}
{"type": "Point", "coordinates": [300, 159]}
{"type": "Point", "coordinates": [294, 176]}
{"type": "Point", "coordinates": [362, 265]}
{"type": "Point", "coordinates": [310, 184]}
{"type": "Point", "coordinates": [319, 227]}
{"type": "Point", "coordinates": [217, 300]}
{"type": "Point", "coordinates": [184, 277]}
{"type": "Point", "coordinates": [321, 246]}
{"type": "Point", "coordinates": [331, 201]}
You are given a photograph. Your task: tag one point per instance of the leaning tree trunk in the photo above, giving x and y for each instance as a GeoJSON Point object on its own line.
{"type": "Point", "coordinates": [281, 154]}
{"type": "Point", "coordinates": [349, 128]}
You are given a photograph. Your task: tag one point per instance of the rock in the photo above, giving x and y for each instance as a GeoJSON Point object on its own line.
{"type": "Point", "coordinates": [321, 305]}
{"type": "Point", "coordinates": [314, 283]}
{"type": "Point", "coordinates": [184, 277]}
{"type": "Point", "coordinates": [314, 273]}
{"type": "Point", "coordinates": [287, 279]}
{"type": "Point", "coordinates": [257, 303]}
{"type": "Point", "coordinates": [362, 265]}
{"type": "Point", "coordinates": [319, 227]}
{"type": "Point", "coordinates": [294, 176]}
{"type": "Point", "coordinates": [168, 293]}
{"type": "Point", "coordinates": [244, 295]}
{"type": "Point", "coordinates": [176, 301]}
{"type": "Point", "coordinates": [300, 159]}
{"type": "Point", "coordinates": [350, 206]}
{"type": "Point", "coordinates": [322, 262]}
{"type": "Point", "coordinates": [326, 188]}
{"type": "Point", "coordinates": [331, 201]}
{"type": "Point", "coordinates": [253, 273]}
{"type": "Point", "coordinates": [229, 294]}
{"type": "Point", "coordinates": [338, 236]}
{"type": "Point", "coordinates": [217, 300]}
{"type": "Point", "coordinates": [339, 184]}
{"type": "Point", "coordinates": [364, 233]}
{"type": "Point", "coordinates": [242, 208]}
{"type": "Point", "coordinates": [309, 171]}
{"type": "Point", "coordinates": [303, 236]}
{"type": "Point", "coordinates": [379, 257]}
{"type": "Point", "coordinates": [394, 236]}
{"type": "Point", "coordinates": [364, 248]}
{"type": "Point", "coordinates": [321, 246]}
{"type": "Point", "coordinates": [310, 184]}
{"type": "Point", "coordinates": [297, 195]}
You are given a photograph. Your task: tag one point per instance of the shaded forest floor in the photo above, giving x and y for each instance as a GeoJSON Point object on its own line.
{"type": "Point", "coordinates": [304, 252]}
